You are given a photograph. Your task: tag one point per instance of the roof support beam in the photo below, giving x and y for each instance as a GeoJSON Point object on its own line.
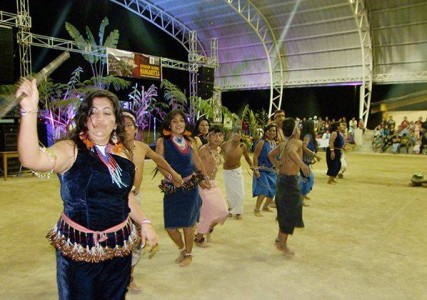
{"type": "Point", "coordinates": [24, 27]}
{"type": "Point", "coordinates": [162, 20]}
{"type": "Point", "coordinates": [255, 19]}
{"type": "Point", "coordinates": [361, 16]}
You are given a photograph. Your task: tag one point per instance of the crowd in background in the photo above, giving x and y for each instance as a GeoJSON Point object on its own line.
{"type": "Point", "coordinates": [321, 129]}
{"type": "Point", "coordinates": [409, 135]}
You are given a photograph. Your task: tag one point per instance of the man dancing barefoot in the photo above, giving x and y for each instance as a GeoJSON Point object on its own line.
{"type": "Point", "coordinates": [233, 150]}
{"type": "Point", "coordinates": [287, 158]}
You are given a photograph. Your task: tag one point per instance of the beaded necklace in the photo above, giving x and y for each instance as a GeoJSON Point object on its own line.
{"type": "Point", "coordinates": [217, 158]}
{"type": "Point", "coordinates": [272, 144]}
{"type": "Point", "coordinates": [180, 142]}
{"type": "Point", "coordinates": [104, 154]}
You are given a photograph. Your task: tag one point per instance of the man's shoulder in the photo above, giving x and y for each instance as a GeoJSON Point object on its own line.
{"type": "Point", "coordinates": [225, 144]}
{"type": "Point", "coordinates": [295, 142]}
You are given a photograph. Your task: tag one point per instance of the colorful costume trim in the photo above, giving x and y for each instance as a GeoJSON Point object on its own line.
{"type": "Point", "coordinates": [82, 244]}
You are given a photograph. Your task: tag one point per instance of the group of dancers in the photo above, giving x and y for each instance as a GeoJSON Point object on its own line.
{"type": "Point", "coordinates": [102, 229]}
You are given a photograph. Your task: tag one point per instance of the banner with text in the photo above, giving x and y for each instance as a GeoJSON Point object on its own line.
{"type": "Point", "coordinates": [131, 64]}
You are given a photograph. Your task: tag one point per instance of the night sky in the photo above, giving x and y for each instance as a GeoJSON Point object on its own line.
{"type": "Point", "coordinates": [49, 17]}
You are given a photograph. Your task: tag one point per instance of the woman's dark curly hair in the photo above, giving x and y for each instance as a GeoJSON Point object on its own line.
{"type": "Point", "coordinates": [84, 112]}
{"type": "Point", "coordinates": [166, 125]}
{"type": "Point", "coordinates": [308, 128]}
{"type": "Point", "coordinates": [266, 128]}
{"type": "Point", "coordinates": [334, 126]}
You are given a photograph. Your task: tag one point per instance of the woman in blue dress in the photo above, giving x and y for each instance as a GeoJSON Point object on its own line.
{"type": "Point", "coordinates": [181, 206]}
{"type": "Point", "coordinates": [309, 147]}
{"type": "Point", "coordinates": [334, 151]}
{"type": "Point", "coordinates": [264, 179]}
{"type": "Point", "coordinates": [94, 235]}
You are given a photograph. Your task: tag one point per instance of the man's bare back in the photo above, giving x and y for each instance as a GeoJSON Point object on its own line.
{"type": "Point", "coordinates": [287, 166]}
{"type": "Point", "coordinates": [288, 158]}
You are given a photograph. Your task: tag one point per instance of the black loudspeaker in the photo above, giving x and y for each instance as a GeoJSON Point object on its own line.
{"type": "Point", "coordinates": [205, 82]}
{"type": "Point", "coordinates": [206, 74]}
{"type": "Point", "coordinates": [6, 55]}
{"type": "Point", "coordinates": [205, 90]}
{"type": "Point", "coordinates": [8, 137]}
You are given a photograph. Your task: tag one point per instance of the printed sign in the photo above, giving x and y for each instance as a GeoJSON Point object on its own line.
{"type": "Point", "coordinates": [131, 64]}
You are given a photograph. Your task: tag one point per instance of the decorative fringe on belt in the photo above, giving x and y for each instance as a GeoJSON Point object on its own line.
{"type": "Point", "coordinates": [81, 244]}
{"type": "Point", "coordinates": [190, 182]}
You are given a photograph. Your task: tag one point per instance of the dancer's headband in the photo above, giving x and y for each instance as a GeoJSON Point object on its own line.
{"type": "Point", "coordinates": [129, 115]}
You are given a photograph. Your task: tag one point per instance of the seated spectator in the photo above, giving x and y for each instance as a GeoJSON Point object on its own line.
{"type": "Point", "coordinates": [391, 124]}
{"type": "Point", "coordinates": [395, 139]}
{"type": "Point", "coordinates": [423, 145]}
{"type": "Point", "coordinates": [405, 123]}
{"type": "Point", "coordinates": [405, 141]}
{"type": "Point", "coordinates": [326, 135]}
{"type": "Point", "coordinates": [385, 131]}
{"type": "Point", "coordinates": [352, 125]}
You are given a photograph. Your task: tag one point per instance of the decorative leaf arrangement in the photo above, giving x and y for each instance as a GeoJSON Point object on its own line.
{"type": "Point", "coordinates": [97, 60]}
{"type": "Point", "coordinates": [146, 107]}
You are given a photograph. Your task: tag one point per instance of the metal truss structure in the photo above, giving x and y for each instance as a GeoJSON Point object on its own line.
{"type": "Point", "coordinates": [162, 20]}
{"type": "Point", "coordinates": [22, 21]}
{"type": "Point", "coordinates": [402, 77]}
{"type": "Point", "coordinates": [256, 20]}
{"type": "Point", "coordinates": [185, 36]}
{"type": "Point", "coordinates": [26, 39]}
{"type": "Point", "coordinates": [361, 15]}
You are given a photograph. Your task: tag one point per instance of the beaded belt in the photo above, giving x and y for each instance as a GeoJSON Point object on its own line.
{"type": "Point", "coordinates": [82, 244]}
{"type": "Point", "coordinates": [190, 183]}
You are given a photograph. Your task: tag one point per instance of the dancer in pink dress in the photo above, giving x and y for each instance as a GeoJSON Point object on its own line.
{"type": "Point", "coordinates": [214, 207]}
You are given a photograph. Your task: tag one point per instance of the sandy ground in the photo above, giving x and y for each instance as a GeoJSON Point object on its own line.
{"type": "Point", "coordinates": [365, 238]}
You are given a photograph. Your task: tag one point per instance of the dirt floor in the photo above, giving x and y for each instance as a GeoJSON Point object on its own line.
{"type": "Point", "coordinates": [365, 238]}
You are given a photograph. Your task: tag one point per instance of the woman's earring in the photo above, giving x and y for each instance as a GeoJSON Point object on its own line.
{"type": "Point", "coordinates": [114, 138]}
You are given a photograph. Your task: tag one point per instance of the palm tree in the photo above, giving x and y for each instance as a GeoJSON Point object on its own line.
{"type": "Point", "coordinates": [98, 61]}
{"type": "Point", "coordinates": [174, 96]}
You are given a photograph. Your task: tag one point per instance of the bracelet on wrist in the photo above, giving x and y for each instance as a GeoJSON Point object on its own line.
{"type": "Point", "coordinates": [145, 221]}
{"type": "Point", "coordinates": [24, 112]}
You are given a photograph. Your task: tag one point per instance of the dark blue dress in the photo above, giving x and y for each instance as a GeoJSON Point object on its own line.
{"type": "Point", "coordinates": [92, 200]}
{"type": "Point", "coordinates": [334, 165]}
{"type": "Point", "coordinates": [306, 183]}
{"type": "Point", "coordinates": [182, 208]}
{"type": "Point", "coordinates": [266, 183]}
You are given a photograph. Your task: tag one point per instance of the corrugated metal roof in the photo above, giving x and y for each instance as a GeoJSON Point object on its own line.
{"type": "Point", "coordinates": [319, 39]}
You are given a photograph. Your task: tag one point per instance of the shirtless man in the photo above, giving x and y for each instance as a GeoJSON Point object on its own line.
{"type": "Point", "coordinates": [233, 150]}
{"type": "Point", "coordinates": [278, 117]}
{"type": "Point", "coordinates": [287, 158]}
{"type": "Point", "coordinates": [142, 150]}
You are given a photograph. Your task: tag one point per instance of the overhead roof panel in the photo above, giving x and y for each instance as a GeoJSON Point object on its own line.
{"type": "Point", "coordinates": [316, 33]}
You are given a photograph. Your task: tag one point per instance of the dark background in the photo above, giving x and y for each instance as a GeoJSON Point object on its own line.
{"type": "Point", "coordinates": [49, 17]}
